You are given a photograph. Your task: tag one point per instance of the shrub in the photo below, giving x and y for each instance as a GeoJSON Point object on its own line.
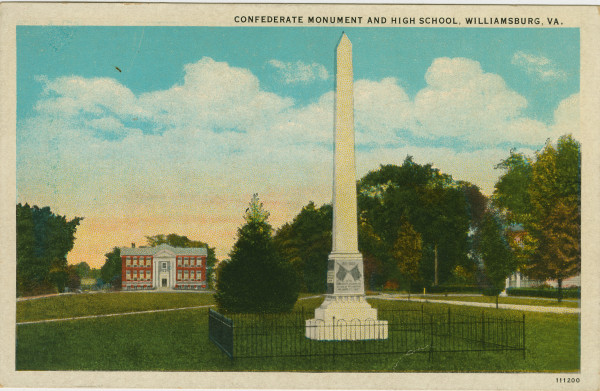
{"type": "Point", "coordinates": [454, 289]}
{"type": "Point", "coordinates": [573, 293]}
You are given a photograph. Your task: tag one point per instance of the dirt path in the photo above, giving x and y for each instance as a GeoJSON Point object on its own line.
{"type": "Point", "coordinates": [518, 307]}
{"type": "Point", "coordinates": [129, 313]}
{"type": "Point", "coordinates": [108, 315]}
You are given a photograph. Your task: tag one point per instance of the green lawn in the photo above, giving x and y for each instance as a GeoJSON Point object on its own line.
{"type": "Point", "coordinates": [178, 340]}
{"type": "Point", "coordinates": [506, 300]}
{"type": "Point", "coordinates": [67, 306]}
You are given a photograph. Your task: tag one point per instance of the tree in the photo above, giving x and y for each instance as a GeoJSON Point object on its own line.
{"type": "Point", "coordinates": [305, 243]}
{"type": "Point", "coordinates": [544, 196]}
{"type": "Point", "coordinates": [559, 249]}
{"type": "Point", "coordinates": [43, 241]}
{"type": "Point", "coordinates": [183, 241]}
{"type": "Point", "coordinates": [377, 263]}
{"type": "Point", "coordinates": [408, 251]}
{"type": "Point", "coordinates": [255, 279]}
{"type": "Point", "coordinates": [73, 278]}
{"type": "Point", "coordinates": [511, 192]}
{"type": "Point", "coordinates": [94, 273]}
{"type": "Point", "coordinates": [555, 193]}
{"type": "Point", "coordinates": [83, 269]}
{"type": "Point", "coordinates": [497, 256]}
{"type": "Point", "coordinates": [111, 270]}
{"type": "Point", "coordinates": [432, 202]}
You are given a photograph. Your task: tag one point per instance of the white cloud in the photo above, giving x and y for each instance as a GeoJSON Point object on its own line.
{"type": "Point", "coordinates": [299, 72]}
{"type": "Point", "coordinates": [566, 117]}
{"type": "Point", "coordinates": [463, 101]}
{"type": "Point", "coordinates": [202, 147]}
{"type": "Point", "coordinates": [539, 66]}
{"type": "Point", "coordinates": [381, 110]}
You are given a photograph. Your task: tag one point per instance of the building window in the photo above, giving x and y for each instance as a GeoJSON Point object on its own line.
{"type": "Point", "coordinates": [186, 261]}
{"type": "Point", "coordinates": [185, 275]}
{"type": "Point", "coordinates": [192, 276]}
{"type": "Point", "coordinates": [164, 266]}
{"type": "Point", "coordinates": [128, 261]}
{"type": "Point", "coordinates": [179, 275]}
{"type": "Point", "coordinates": [149, 261]}
{"type": "Point", "coordinates": [128, 275]}
{"type": "Point", "coordinates": [179, 261]}
{"type": "Point", "coordinates": [193, 261]}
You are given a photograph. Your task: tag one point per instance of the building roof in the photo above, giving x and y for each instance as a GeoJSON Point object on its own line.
{"type": "Point", "coordinates": [201, 251]}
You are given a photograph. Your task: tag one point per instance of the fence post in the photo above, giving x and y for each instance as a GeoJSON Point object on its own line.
{"type": "Point", "coordinates": [333, 337]}
{"type": "Point", "coordinates": [430, 337]}
{"type": "Point", "coordinates": [523, 335]}
{"type": "Point", "coordinates": [482, 330]}
{"type": "Point", "coordinates": [448, 323]}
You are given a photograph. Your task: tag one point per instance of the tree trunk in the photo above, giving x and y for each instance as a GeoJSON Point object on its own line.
{"type": "Point", "coordinates": [497, 300]}
{"type": "Point", "coordinates": [559, 290]}
{"type": "Point", "coordinates": [435, 257]}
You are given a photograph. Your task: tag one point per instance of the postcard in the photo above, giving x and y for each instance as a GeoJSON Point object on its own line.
{"type": "Point", "coordinates": [299, 196]}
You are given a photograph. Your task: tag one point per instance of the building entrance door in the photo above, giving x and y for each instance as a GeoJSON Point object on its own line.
{"type": "Point", "coordinates": [164, 283]}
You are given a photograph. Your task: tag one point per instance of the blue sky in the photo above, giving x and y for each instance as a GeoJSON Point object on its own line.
{"type": "Point", "coordinates": [197, 119]}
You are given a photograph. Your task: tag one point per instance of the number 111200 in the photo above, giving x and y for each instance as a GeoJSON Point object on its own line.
{"type": "Point", "coordinates": [567, 380]}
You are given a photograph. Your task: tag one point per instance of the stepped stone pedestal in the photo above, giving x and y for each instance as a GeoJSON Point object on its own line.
{"type": "Point", "coordinates": [346, 318]}
{"type": "Point", "coordinates": [345, 314]}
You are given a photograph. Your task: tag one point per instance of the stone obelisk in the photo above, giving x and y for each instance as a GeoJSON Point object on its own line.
{"type": "Point", "coordinates": [345, 314]}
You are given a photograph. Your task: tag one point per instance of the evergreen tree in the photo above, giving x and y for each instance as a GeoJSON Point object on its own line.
{"type": "Point", "coordinates": [255, 279]}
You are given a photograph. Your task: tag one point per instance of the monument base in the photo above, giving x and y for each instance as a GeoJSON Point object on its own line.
{"type": "Point", "coordinates": [346, 318]}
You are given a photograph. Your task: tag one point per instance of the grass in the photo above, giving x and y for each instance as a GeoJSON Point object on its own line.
{"type": "Point", "coordinates": [67, 306]}
{"type": "Point", "coordinates": [505, 300]}
{"type": "Point", "coordinates": [178, 341]}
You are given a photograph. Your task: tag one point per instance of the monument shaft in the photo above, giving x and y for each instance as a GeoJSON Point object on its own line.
{"type": "Point", "coordinates": [345, 236]}
{"type": "Point", "coordinates": [345, 313]}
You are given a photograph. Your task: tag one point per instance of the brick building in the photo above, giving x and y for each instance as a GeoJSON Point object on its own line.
{"type": "Point", "coordinates": [163, 267]}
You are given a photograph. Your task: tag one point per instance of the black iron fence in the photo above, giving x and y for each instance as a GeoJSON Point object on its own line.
{"type": "Point", "coordinates": [220, 332]}
{"type": "Point", "coordinates": [408, 331]}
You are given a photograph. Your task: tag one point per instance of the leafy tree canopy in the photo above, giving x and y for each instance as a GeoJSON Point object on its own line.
{"type": "Point", "coordinates": [43, 242]}
{"type": "Point", "coordinates": [511, 192]}
{"type": "Point", "coordinates": [111, 270]}
{"type": "Point", "coordinates": [436, 206]}
{"type": "Point", "coordinates": [305, 243]}
{"type": "Point", "coordinates": [408, 251]}
{"type": "Point", "coordinates": [498, 259]}
{"type": "Point", "coordinates": [82, 269]}
{"type": "Point", "coordinates": [543, 195]}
